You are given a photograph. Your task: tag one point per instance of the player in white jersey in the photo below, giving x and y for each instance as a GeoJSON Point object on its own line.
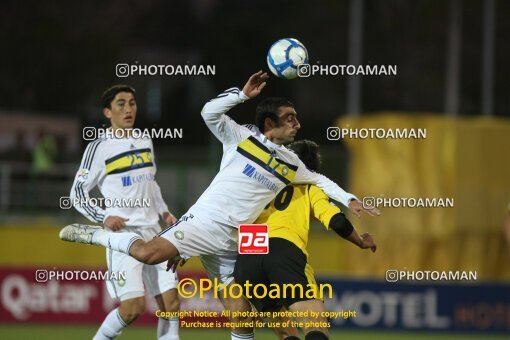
{"type": "Point", "coordinates": [254, 168]}
{"type": "Point", "coordinates": [123, 168]}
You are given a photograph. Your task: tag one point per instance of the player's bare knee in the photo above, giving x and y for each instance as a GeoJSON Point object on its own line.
{"type": "Point", "coordinates": [138, 250]}
{"type": "Point", "coordinates": [242, 320]}
{"type": "Point", "coordinates": [171, 302]}
{"type": "Point", "coordinates": [153, 256]}
{"type": "Point", "coordinates": [156, 251]}
{"type": "Point", "coordinates": [173, 306]}
{"type": "Point", "coordinates": [131, 309]}
{"type": "Point", "coordinates": [240, 308]}
{"type": "Point", "coordinates": [144, 253]}
{"type": "Point", "coordinates": [240, 316]}
{"type": "Point", "coordinates": [130, 316]}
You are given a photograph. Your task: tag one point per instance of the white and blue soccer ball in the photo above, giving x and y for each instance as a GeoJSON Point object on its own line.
{"type": "Point", "coordinates": [284, 56]}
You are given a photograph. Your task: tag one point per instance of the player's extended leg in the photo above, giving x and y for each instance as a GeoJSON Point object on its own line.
{"type": "Point", "coordinates": [221, 267]}
{"type": "Point", "coordinates": [238, 305]}
{"type": "Point", "coordinates": [129, 289]}
{"type": "Point", "coordinates": [312, 329]}
{"type": "Point", "coordinates": [154, 251]}
{"type": "Point", "coordinates": [168, 328]}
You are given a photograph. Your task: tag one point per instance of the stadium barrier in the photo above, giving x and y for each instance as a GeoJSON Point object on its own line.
{"type": "Point", "coordinates": [424, 305]}
{"type": "Point", "coordinates": [465, 159]}
{"type": "Point", "coordinates": [361, 304]}
{"type": "Point", "coordinates": [31, 298]}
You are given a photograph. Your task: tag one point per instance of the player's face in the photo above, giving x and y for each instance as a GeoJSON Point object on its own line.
{"type": "Point", "coordinates": [288, 125]}
{"type": "Point", "coordinates": [123, 111]}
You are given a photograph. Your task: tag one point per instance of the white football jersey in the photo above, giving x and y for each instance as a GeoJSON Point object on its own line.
{"type": "Point", "coordinates": [124, 171]}
{"type": "Point", "coordinates": [253, 169]}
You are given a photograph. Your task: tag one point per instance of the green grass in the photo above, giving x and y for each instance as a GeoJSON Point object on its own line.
{"type": "Point", "coordinates": [46, 332]}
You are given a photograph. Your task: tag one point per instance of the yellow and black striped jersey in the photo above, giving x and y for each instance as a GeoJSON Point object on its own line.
{"type": "Point", "coordinates": [288, 215]}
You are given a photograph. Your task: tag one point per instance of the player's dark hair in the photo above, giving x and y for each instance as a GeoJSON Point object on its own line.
{"type": "Point", "coordinates": [268, 108]}
{"type": "Point", "coordinates": [308, 153]}
{"type": "Point", "coordinates": [110, 93]}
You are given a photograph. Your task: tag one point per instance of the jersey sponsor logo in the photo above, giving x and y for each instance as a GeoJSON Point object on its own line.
{"type": "Point", "coordinates": [257, 152]}
{"type": "Point", "coordinates": [126, 181]}
{"type": "Point", "coordinates": [130, 180]}
{"type": "Point", "coordinates": [250, 171]}
{"type": "Point", "coordinates": [253, 239]}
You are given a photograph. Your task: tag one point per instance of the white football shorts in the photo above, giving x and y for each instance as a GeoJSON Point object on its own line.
{"type": "Point", "coordinates": [140, 277]}
{"type": "Point", "coordinates": [216, 244]}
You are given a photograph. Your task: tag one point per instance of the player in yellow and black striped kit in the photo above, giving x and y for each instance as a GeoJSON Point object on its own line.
{"type": "Point", "coordinates": [288, 218]}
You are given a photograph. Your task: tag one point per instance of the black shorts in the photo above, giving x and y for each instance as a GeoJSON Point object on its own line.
{"type": "Point", "coordinates": [285, 264]}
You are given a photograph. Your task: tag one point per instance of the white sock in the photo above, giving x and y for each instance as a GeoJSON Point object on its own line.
{"type": "Point", "coordinates": [111, 326]}
{"type": "Point", "coordinates": [235, 336]}
{"type": "Point", "coordinates": [168, 329]}
{"type": "Point", "coordinates": [116, 241]}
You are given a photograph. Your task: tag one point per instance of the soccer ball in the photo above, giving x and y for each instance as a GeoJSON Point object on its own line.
{"type": "Point", "coordinates": [284, 56]}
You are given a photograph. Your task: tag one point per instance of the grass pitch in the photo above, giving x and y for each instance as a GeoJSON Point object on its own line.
{"type": "Point", "coordinates": [56, 332]}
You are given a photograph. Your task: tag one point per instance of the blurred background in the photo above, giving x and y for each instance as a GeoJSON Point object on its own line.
{"type": "Point", "coordinates": [453, 78]}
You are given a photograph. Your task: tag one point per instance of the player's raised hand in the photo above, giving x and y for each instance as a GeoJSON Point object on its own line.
{"type": "Point", "coordinates": [115, 222]}
{"type": "Point", "coordinates": [255, 84]}
{"type": "Point", "coordinates": [368, 242]}
{"type": "Point", "coordinates": [357, 207]}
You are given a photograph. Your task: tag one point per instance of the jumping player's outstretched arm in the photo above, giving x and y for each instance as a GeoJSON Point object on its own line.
{"type": "Point", "coordinates": [332, 218]}
{"type": "Point", "coordinates": [343, 227]}
{"type": "Point", "coordinates": [213, 112]}
{"type": "Point", "coordinates": [303, 175]}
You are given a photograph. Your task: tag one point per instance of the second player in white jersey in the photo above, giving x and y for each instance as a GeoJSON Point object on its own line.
{"type": "Point", "coordinates": [124, 170]}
